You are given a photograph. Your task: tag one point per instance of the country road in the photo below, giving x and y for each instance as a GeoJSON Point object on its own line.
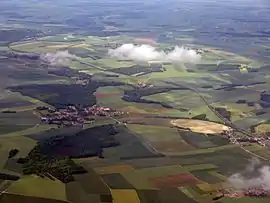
{"type": "Point", "coordinates": [5, 186]}
{"type": "Point", "coordinates": [89, 64]}
{"type": "Point", "coordinates": [225, 121]}
{"type": "Point", "coordinates": [228, 123]}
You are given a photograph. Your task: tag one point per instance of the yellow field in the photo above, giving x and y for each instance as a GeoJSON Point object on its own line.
{"type": "Point", "coordinates": [113, 169]}
{"type": "Point", "coordinates": [206, 187]}
{"type": "Point", "coordinates": [242, 59]}
{"type": "Point", "coordinates": [82, 45]}
{"type": "Point", "coordinates": [58, 46]}
{"type": "Point", "coordinates": [215, 51]}
{"type": "Point", "coordinates": [200, 126]}
{"type": "Point", "coordinates": [28, 43]}
{"type": "Point", "coordinates": [263, 128]}
{"type": "Point", "coordinates": [23, 144]}
{"type": "Point", "coordinates": [39, 187]}
{"type": "Point", "coordinates": [125, 196]}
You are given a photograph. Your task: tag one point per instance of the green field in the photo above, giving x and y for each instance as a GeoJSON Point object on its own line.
{"type": "Point", "coordinates": [112, 98]}
{"type": "Point", "coordinates": [163, 139]}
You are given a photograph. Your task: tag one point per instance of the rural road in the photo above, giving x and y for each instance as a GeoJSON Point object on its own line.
{"type": "Point", "coordinates": [227, 122]}
{"type": "Point", "coordinates": [5, 186]}
{"type": "Point", "coordinates": [89, 64]}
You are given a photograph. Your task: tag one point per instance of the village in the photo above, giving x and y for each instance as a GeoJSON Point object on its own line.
{"type": "Point", "coordinates": [75, 116]}
{"type": "Point", "coordinates": [259, 139]}
{"type": "Point", "coordinates": [257, 192]}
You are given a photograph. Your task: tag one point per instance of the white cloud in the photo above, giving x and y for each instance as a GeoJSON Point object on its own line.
{"type": "Point", "coordinates": [183, 55]}
{"type": "Point", "coordinates": [59, 58]}
{"type": "Point", "coordinates": [146, 53]}
{"type": "Point", "coordinates": [248, 180]}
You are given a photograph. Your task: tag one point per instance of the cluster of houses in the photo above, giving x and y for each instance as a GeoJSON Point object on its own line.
{"type": "Point", "coordinates": [200, 51]}
{"type": "Point", "coordinates": [257, 192]}
{"type": "Point", "coordinates": [261, 140]}
{"type": "Point", "coordinates": [74, 116]}
{"type": "Point", "coordinates": [144, 85]}
{"type": "Point", "coordinates": [81, 81]}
